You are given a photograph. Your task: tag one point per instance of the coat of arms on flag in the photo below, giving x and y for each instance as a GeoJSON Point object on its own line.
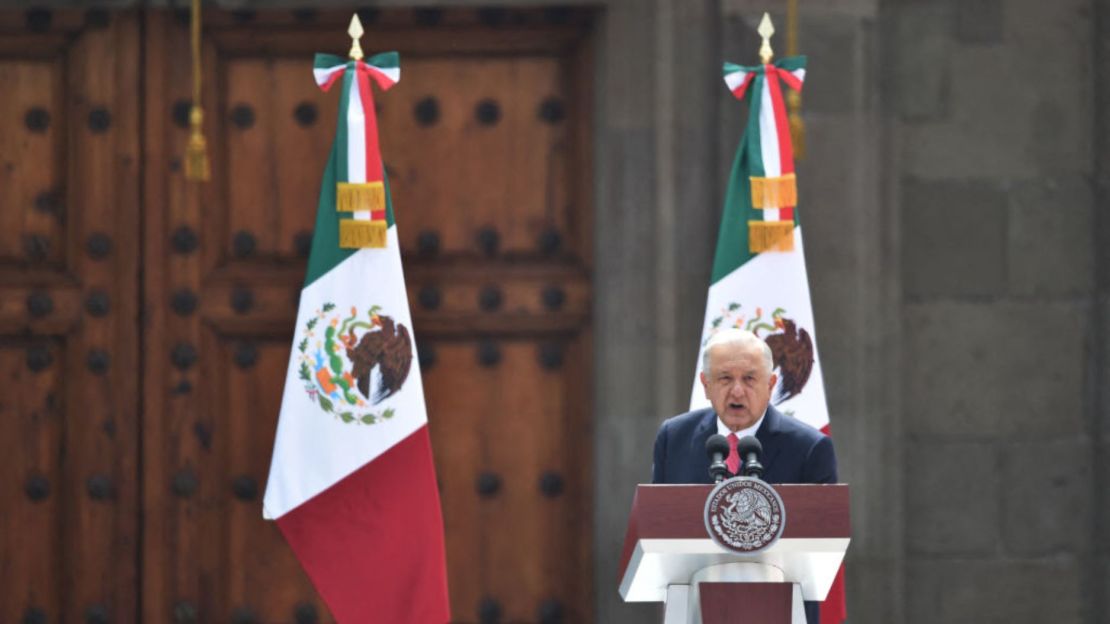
{"type": "Point", "coordinates": [349, 365]}
{"type": "Point", "coordinates": [352, 484]}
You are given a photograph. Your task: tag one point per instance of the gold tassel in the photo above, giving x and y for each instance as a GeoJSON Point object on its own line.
{"type": "Point", "coordinates": [770, 236]}
{"type": "Point", "coordinates": [774, 192]}
{"type": "Point", "coordinates": [196, 152]}
{"type": "Point", "coordinates": [793, 98]}
{"type": "Point", "coordinates": [360, 234]}
{"type": "Point", "coordinates": [797, 127]}
{"type": "Point", "coordinates": [354, 197]}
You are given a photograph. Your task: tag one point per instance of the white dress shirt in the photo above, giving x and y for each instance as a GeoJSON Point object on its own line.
{"type": "Point", "coordinates": [748, 431]}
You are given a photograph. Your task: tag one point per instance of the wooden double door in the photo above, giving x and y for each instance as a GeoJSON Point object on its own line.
{"type": "Point", "coordinates": [145, 320]}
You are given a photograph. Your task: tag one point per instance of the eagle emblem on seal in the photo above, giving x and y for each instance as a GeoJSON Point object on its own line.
{"type": "Point", "coordinates": [744, 515]}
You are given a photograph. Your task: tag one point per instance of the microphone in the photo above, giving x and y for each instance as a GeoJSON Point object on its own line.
{"type": "Point", "coordinates": [750, 450]}
{"type": "Point", "coordinates": [717, 449]}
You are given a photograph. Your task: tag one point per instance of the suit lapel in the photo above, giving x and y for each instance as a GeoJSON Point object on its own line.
{"type": "Point", "coordinates": [767, 434]}
{"type": "Point", "coordinates": [707, 426]}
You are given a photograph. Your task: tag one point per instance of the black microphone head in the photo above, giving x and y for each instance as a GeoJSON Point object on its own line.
{"type": "Point", "coordinates": [716, 445]}
{"type": "Point", "coordinates": [748, 445]}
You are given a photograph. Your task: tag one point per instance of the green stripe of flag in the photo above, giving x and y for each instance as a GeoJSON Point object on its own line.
{"type": "Point", "coordinates": [791, 63]}
{"type": "Point", "coordinates": [385, 60]}
{"type": "Point", "coordinates": [326, 61]}
{"type": "Point", "coordinates": [326, 253]}
{"type": "Point", "coordinates": [752, 141]}
{"type": "Point", "coordinates": [341, 129]}
{"type": "Point", "coordinates": [732, 240]}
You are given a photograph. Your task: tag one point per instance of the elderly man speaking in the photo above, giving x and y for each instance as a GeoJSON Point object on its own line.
{"type": "Point", "coordinates": [738, 377]}
{"type": "Point", "coordinates": [737, 374]}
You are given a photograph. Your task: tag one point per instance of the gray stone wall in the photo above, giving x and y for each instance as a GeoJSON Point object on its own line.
{"type": "Point", "coordinates": [992, 109]}
{"type": "Point", "coordinates": [1098, 343]}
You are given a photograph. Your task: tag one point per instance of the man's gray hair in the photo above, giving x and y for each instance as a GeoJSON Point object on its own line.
{"type": "Point", "coordinates": [741, 337]}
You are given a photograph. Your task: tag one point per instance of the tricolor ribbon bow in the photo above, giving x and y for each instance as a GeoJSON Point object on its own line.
{"type": "Point", "coordinates": [768, 149]}
{"type": "Point", "coordinates": [360, 174]}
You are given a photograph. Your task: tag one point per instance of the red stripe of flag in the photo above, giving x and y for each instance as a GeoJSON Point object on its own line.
{"type": "Point", "coordinates": [384, 82]}
{"type": "Point", "coordinates": [373, 154]}
{"type": "Point", "coordinates": [791, 80]}
{"type": "Point", "coordinates": [332, 79]}
{"type": "Point", "coordinates": [834, 609]}
{"type": "Point", "coordinates": [373, 543]}
{"type": "Point", "coordinates": [782, 127]}
{"type": "Point", "coordinates": [743, 88]}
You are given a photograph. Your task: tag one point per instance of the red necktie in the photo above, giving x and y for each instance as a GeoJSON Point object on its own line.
{"type": "Point", "coordinates": [733, 461]}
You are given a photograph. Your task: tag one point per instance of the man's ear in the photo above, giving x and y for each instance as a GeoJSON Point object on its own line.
{"type": "Point", "coordinates": [704, 383]}
{"type": "Point", "coordinates": [774, 380]}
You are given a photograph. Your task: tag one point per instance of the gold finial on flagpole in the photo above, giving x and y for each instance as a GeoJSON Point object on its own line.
{"type": "Point", "coordinates": [765, 30]}
{"type": "Point", "coordinates": [355, 31]}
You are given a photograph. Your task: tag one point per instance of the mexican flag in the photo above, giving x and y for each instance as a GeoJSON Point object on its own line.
{"type": "Point", "coordinates": [759, 280]}
{"type": "Point", "coordinates": [352, 485]}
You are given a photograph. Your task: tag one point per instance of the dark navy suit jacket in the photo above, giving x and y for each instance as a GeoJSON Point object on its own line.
{"type": "Point", "coordinates": [793, 452]}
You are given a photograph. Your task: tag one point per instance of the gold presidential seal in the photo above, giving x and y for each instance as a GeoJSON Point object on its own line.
{"type": "Point", "coordinates": [744, 515]}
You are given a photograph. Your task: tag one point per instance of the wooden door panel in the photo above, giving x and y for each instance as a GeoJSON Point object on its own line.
{"type": "Point", "coordinates": [506, 151]}
{"type": "Point", "coordinates": [33, 163]}
{"type": "Point", "coordinates": [214, 386]}
{"type": "Point", "coordinates": [505, 155]}
{"type": "Point", "coordinates": [486, 160]}
{"type": "Point", "coordinates": [290, 130]}
{"type": "Point", "coordinates": [31, 433]}
{"type": "Point", "coordinates": [261, 572]}
{"type": "Point", "coordinates": [511, 430]}
{"type": "Point", "coordinates": [69, 161]}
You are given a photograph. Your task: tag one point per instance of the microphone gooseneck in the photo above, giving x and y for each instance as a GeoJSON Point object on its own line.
{"type": "Point", "coordinates": [750, 451]}
{"type": "Point", "coordinates": [716, 447]}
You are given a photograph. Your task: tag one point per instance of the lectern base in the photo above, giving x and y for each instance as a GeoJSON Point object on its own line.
{"type": "Point", "coordinates": [735, 593]}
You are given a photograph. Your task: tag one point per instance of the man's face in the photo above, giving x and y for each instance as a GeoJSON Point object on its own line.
{"type": "Point", "coordinates": [737, 384]}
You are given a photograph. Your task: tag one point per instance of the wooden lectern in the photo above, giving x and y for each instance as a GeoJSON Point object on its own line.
{"type": "Point", "coordinates": [669, 557]}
